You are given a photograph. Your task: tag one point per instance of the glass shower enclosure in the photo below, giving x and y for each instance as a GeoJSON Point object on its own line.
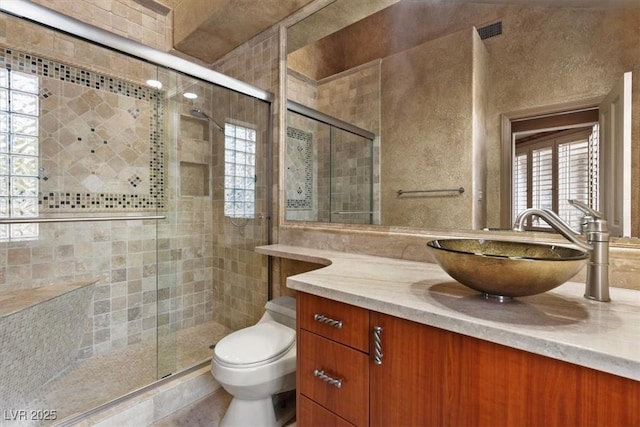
{"type": "Point", "coordinates": [132, 196]}
{"type": "Point", "coordinates": [329, 169]}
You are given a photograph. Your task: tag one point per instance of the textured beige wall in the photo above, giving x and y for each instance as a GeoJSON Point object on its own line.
{"type": "Point", "coordinates": [603, 45]}
{"type": "Point", "coordinates": [427, 133]}
{"type": "Point", "coordinates": [318, 61]}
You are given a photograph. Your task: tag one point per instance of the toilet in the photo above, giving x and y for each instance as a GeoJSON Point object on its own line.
{"type": "Point", "coordinates": [256, 363]}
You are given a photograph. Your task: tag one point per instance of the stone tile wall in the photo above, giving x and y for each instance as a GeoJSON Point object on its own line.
{"type": "Point", "coordinates": [240, 275]}
{"type": "Point", "coordinates": [130, 259]}
{"type": "Point", "coordinates": [352, 96]}
{"type": "Point", "coordinates": [125, 18]}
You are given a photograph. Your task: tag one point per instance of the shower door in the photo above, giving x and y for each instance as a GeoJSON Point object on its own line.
{"type": "Point", "coordinates": [351, 178]}
{"type": "Point", "coordinates": [218, 166]}
{"type": "Point", "coordinates": [328, 171]}
{"type": "Point", "coordinates": [109, 181]}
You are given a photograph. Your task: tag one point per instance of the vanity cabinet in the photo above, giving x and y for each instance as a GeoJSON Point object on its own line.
{"type": "Point", "coordinates": [333, 369]}
{"type": "Point", "coordinates": [432, 377]}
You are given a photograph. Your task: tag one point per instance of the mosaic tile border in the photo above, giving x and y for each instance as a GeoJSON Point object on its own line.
{"type": "Point", "coordinates": [61, 201]}
{"type": "Point", "coordinates": [28, 63]}
{"type": "Point", "coordinates": [306, 154]}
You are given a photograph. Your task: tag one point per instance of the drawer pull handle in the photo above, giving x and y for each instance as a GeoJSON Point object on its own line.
{"type": "Point", "coordinates": [324, 319]}
{"type": "Point", "coordinates": [377, 345]}
{"type": "Point", "coordinates": [326, 378]}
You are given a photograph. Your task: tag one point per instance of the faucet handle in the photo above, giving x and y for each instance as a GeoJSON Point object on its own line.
{"type": "Point", "coordinates": [586, 209]}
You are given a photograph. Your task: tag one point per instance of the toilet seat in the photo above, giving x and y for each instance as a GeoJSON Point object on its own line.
{"type": "Point", "coordinates": [254, 346]}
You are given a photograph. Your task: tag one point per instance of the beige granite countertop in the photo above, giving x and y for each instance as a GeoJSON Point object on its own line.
{"type": "Point", "coordinates": [561, 323]}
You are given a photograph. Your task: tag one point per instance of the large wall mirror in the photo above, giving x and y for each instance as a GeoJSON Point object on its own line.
{"type": "Point", "coordinates": [477, 108]}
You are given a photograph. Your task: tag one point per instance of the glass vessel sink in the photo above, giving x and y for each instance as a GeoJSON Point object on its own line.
{"type": "Point", "coordinates": [502, 270]}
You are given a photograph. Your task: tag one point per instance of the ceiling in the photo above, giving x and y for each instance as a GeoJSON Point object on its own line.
{"type": "Point", "coordinates": [208, 29]}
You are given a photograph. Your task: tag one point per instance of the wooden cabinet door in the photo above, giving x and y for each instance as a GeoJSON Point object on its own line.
{"type": "Point", "coordinates": [412, 386]}
{"type": "Point", "coordinates": [517, 388]}
{"type": "Point", "coordinates": [349, 400]}
{"type": "Point", "coordinates": [431, 377]}
{"type": "Point", "coordinates": [315, 311]}
{"type": "Point", "coordinates": [310, 413]}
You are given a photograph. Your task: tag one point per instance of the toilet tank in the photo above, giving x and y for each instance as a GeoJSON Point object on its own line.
{"type": "Point", "coordinates": [282, 310]}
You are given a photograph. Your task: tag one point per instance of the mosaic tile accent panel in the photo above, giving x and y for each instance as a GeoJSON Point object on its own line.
{"type": "Point", "coordinates": [102, 141]}
{"type": "Point", "coordinates": [299, 169]}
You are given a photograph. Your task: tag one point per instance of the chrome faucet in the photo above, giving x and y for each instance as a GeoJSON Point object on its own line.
{"type": "Point", "coordinates": [594, 239]}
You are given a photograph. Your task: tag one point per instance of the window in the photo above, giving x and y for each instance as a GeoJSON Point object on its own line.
{"type": "Point", "coordinates": [239, 171]}
{"type": "Point", "coordinates": [551, 169]}
{"type": "Point", "coordinates": [19, 112]}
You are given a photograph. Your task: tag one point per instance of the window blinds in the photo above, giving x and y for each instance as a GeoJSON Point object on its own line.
{"type": "Point", "coordinates": [548, 174]}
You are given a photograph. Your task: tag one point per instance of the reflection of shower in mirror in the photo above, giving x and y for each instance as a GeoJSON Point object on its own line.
{"type": "Point", "coordinates": [196, 112]}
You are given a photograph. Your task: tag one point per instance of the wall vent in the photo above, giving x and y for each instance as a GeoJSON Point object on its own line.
{"type": "Point", "coordinates": [490, 30]}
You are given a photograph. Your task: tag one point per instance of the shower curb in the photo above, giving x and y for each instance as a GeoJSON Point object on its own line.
{"type": "Point", "coordinates": [149, 404]}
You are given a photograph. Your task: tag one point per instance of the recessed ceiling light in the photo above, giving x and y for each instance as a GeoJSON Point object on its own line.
{"type": "Point", "coordinates": [190, 95]}
{"type": "Point", "coordinates": [155, 83]}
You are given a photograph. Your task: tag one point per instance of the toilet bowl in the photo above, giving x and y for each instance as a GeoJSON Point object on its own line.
{"type": "Point", "coordinates": [255, 363]}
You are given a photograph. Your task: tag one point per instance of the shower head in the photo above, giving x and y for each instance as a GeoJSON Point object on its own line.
{"type": "Point", "coordinates": [196, 112]}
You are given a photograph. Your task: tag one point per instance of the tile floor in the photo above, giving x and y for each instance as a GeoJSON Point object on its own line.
{"type": "Point", "coordinates": [205, 413]}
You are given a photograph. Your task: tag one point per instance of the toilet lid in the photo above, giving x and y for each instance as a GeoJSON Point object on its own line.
{"type": "Point", "coordinates": [255, 345]}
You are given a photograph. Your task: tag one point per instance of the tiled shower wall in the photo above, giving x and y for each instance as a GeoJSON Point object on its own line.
{"type": "Point", "coordinates": [240, 274]}
{"type": "Point", "coordinates": [200, 256]}
{"type": "Point", "coordinates": [122, 17]}
{"type": "Point", "coordinates": [207, 249]}
{"type": "Point", "coordinates": [304, 90]}
{"type": "Point", "coordinates": [351, 167]}
{"type": "Point", "coordinates": [127, 257]}
{"type": "Point", "coordinates": [359, 90]}
{"type": "Point", "coordinates": [121, 255]}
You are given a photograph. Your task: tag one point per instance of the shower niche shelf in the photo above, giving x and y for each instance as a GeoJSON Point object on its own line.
{"type": "Point", "coordinates": [195, 155]}
{"type": "Point", "coordinates": [194, 179]}
{"type": "Point", "coordinates": [194, 128]}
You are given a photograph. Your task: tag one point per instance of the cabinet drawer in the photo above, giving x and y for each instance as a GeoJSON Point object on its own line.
{"type": "Point", "coordinates": [340, 322]}
{"type": "Point", "coordinates": [322, 360]}
{"type": "Point", "coordinates": [310, 414]}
